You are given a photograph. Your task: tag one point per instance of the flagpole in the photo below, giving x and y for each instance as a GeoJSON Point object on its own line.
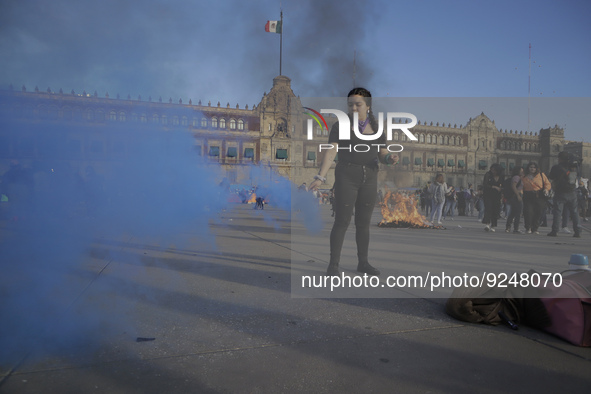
{"type": "Point", "coordinates": [281, 43]}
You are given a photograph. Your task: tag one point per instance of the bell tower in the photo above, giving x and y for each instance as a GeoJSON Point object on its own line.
{"type": "Point", "coordinates": [281, 119]}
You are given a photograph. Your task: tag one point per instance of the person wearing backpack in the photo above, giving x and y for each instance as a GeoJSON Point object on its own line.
{"type": "Point", "coordinates": [438, 190]}
{"type": "Point", "coordinates": [513, 191]}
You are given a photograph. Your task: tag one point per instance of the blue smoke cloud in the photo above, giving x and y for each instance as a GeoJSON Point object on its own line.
{"type": "Point", "coordinates": [70, 219]}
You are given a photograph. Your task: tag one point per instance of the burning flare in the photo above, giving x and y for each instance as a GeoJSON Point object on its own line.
{"type": "Point", "coordinates": [399, 210]}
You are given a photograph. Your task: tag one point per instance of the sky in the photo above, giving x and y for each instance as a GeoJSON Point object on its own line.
{"type": "Point", "coordinates": [219, 51]}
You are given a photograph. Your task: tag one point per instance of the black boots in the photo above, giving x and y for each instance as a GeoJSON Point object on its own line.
{"type": "Point", "coordinates": [333, 269]}
{"type": "Point", "coordinates": [367, 269]}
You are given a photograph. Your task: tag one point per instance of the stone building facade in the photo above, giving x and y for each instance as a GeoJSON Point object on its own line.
{"type": "Point", "coordinates": [271, 134]}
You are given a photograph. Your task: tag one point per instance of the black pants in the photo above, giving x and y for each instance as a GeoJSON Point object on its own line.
{"type": "Point", "coordinates": [492, 209]}
{"type": "Point", "coordinates": [533, 206]}
{"type": "Point", "coordinates": [356, 187]}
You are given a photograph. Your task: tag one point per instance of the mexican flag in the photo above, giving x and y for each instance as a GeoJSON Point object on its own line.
{"type": "Point", "coordinates": [273, 27]}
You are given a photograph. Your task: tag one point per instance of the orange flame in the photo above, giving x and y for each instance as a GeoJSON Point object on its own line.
{"type": "Point", "coordinates": [401, 209]}
{"type": "Point", "coordinates": [252, 199]}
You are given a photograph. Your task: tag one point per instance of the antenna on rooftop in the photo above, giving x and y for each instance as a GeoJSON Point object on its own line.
{"type": "Point", "coordinates": [529, 89]}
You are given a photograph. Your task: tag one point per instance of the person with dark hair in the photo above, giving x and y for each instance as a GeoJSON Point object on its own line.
{"type": "Point", "coordinates": [564, 179]}
{"type": "Point", "coordinates": [536, 188]}
{"type": "Point", "coordinates": [513, 192]}
{"type": "Point", "coordinates": [356, 180]}
{"type": "Point", "coordinates": [492, 186]}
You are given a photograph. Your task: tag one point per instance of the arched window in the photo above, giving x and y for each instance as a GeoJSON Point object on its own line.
{"type": "Point", "coordinates": [122, 116]}
{"type": "Point", "coordinates": [67, 113]}
{"type": "Point", "coordinates": [429, 139]}
{"type": "Point", "coordinates": [214, 122]}
{"type": "Point", "coordinates": [144, 118]}
{"type": "Point", "coordinates": [396, 136]}
{"type": "Point", "coordinates": [164, 119]}
{"type": "Point", "coordinates": [155, 118]}
{"type": "Point", "coordinates": [455, 140]}
{"type": "Point", "coordinates": [203, 122]}
{"type": "Point", "coordinates": [422, 138]}
{"type": "Point", "coordinates": [447, 140]}
{"type": "Point", "coordinates": [232, 124]}
{"type": "Point", "coordinates": [435, 139]}
{"type": "Point", "coordinates": [53, 112]}
{"type": "Point", "coordinates": [175, 120]}
{"type": "Point", "coordinates": [240, 124]}
{"type": "Point", "coordinates": [222, 123]}
{"type": "Point", "coordinates": [112, 115]}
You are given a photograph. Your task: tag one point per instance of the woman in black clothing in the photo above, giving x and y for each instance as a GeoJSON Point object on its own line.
{"type": "Point", "coordinates": [356, 180]}
{"type": "Point", "coordinates": [492, 186]}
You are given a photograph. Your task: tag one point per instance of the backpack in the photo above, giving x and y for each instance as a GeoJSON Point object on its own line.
{"type": "Point", "coordinates": [568, 308]}
{"type": "Point", "coordinates": [488, 305]}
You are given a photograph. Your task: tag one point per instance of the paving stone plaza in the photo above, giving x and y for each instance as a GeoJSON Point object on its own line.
{"type": "Point", "coordinates": [225, 314]}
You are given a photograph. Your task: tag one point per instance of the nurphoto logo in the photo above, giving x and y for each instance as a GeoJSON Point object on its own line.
{"type": "Point", "coordinates": [345, 129]}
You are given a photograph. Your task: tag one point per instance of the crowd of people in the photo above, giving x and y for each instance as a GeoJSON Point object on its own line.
{"type": "Point", "coordinates": [526, 193]}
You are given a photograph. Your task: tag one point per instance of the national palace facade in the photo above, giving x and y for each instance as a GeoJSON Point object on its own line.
{"type": "Point", "coordinates": [271, 134]}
